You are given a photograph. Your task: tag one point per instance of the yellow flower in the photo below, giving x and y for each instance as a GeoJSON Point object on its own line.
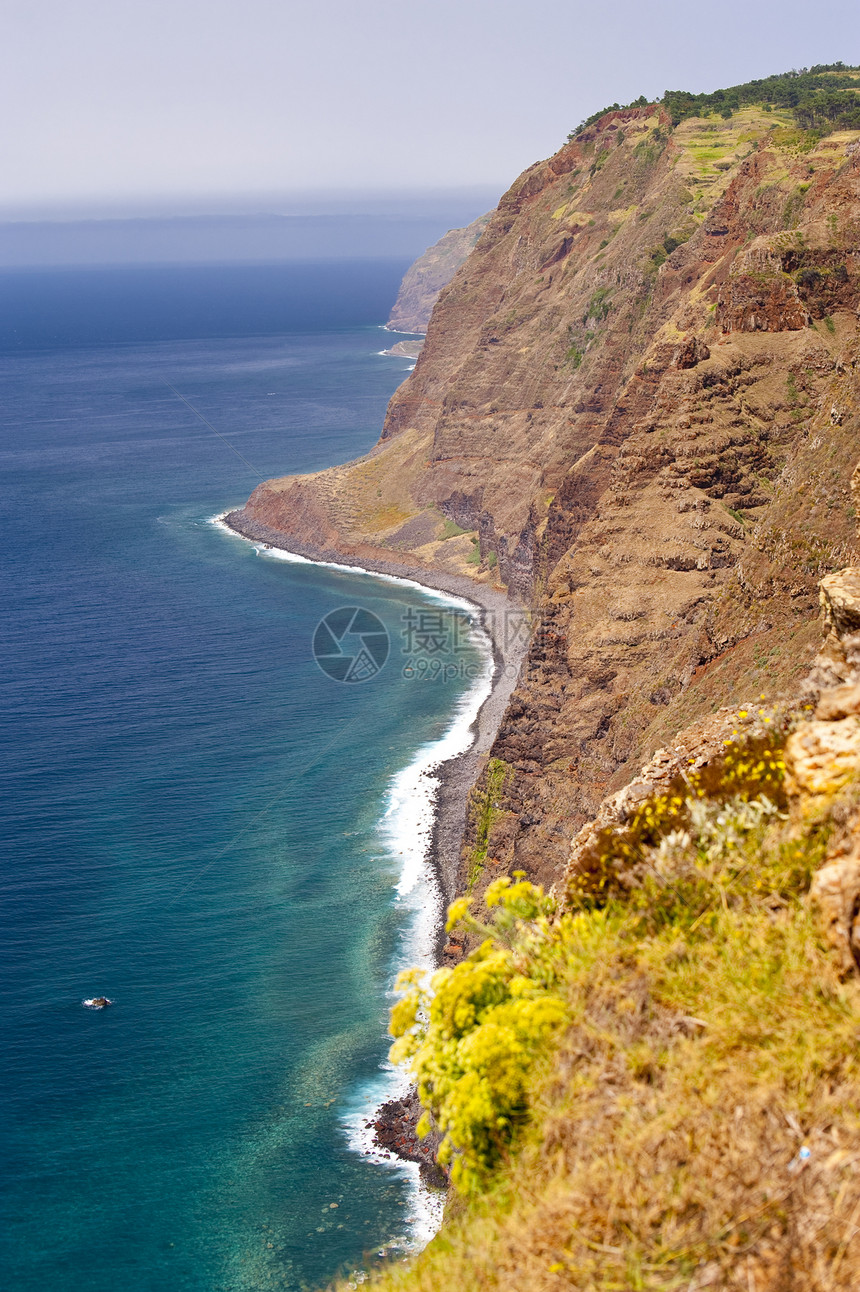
{"type": "Point", "coordinates": [457, 911]}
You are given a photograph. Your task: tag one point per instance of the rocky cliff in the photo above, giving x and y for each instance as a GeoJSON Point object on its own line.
{"type": "Point", "coordinates": [652, 1082]}
{"type": "Point", "coordinates": [431, 272]}
{"type": "Point", "coordinates": [636, 411]}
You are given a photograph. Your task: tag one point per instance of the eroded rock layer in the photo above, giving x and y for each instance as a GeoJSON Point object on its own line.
{"type": "Point", "coordinates": [636, 409]}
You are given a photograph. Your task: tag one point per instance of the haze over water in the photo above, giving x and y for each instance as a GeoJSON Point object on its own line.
{"type": "Point", "coordinates": [192, 815]}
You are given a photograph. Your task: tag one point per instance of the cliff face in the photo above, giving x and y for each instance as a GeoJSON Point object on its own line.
{"type": "Point", "coordinates": [431, 272]}
{"type": "Point", "coordinates": [638, 400]}
{"type": "Point", "coordinates": [668, 1054]}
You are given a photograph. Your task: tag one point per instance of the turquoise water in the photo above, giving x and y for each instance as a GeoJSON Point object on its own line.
{"type": "Point", "coordinates": [194, 821]}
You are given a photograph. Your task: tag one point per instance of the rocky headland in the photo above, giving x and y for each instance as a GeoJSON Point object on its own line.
{"type": "Point", "coordinates": [636, 412]}
{"type": "Point", "coordinates": [431, 272]}
{"type": "Point", "coordinates": [635, 415]}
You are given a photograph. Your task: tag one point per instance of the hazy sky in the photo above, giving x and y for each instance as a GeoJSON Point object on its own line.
{"type": "Point", "coordinates": [130, 100]}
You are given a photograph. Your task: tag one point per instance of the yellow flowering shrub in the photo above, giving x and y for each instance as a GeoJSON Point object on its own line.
{"type": "Point", "coordinates": [749, 769]}
{"type": "Point", "coordinates": [663, 1074]}
{"type": "Point", "coordinates": [471, 1035]}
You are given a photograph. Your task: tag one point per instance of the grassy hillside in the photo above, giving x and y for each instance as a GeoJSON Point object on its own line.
{"type": "Point", "coordinates": [653, 1081]}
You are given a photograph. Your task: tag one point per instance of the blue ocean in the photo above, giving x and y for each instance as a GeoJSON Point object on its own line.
{"type": "Point", "coordinates": [198, 821]}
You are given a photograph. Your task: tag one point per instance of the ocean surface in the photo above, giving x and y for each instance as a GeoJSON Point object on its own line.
{"type": "Point", "coordinates": [198, 821]}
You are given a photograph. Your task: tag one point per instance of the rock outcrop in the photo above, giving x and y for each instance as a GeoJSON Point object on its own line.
{"type": "Point", "coordinates": [823, 766]}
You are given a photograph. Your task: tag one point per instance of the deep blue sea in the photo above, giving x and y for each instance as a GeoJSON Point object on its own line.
{"type": "Point", "coordinates": [197, 821]}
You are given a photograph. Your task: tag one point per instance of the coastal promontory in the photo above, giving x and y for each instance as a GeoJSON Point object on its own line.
{"type": "Point", "coordinates": [635, 415]}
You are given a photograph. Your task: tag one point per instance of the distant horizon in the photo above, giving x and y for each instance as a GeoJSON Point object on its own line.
{"type": "Point", "coordinates": [288, 201]}
{"type": "Point", "coordinates": [323, 225]}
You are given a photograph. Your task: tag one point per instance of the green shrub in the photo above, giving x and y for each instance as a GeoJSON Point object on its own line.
{"type": "Point", "coordinates": [484, 809]}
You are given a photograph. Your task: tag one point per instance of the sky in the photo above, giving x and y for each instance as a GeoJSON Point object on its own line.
{"type": "Point", "coordinates": [137, 105]}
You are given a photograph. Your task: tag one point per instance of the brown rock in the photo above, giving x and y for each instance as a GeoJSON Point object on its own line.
{"type": "Point", "coordinates": [823, 761]}
{"type": "Point", "coordinates": [839, 703]}
{"type": "Point", "coordinates": [835, 894]}
{"type": "Point", "coordinates": [821, 758]}
{"type": "Point", "coordinates": [668, 521]}
{"type": "Point", "coordinates": [691, 352]}
{"type": "Point", "coordinates": [759, 296]}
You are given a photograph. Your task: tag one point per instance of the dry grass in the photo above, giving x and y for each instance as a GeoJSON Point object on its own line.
{"type": "Point", "coordinates": [699, 1126]}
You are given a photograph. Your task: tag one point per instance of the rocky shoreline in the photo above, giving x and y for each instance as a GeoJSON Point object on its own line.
{"type": "Point", "coordinates": [394, 1132]}
{"type": "Point", "coordinates": [405, 349]}
{"type": "Point", "coordinates": [504, 620]}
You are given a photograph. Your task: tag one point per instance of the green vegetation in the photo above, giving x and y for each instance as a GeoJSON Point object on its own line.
{"type": "Point", "coordinates": [599, 305]}
{"type": "Point", "coordinates": [484, 809]}
{"type": "Point", "coordinates": [660, 254]}
{"type": "Point", "coordinates": [672, 241]}
{"type": "Point", "coordinates": [793, 206]}
{"type": "Point", "coordinates": [599, 161]}
{"type": "Point", "coordinates": [822, 98]}
{"type": "Point", "coordinates": [623, 1082]}
{"type": "Point", "coordinates": [648, 149]}
{"type": "Point", "coordinates": [751, 770]}
{"type": "Point", "coordinates": [451, 529]}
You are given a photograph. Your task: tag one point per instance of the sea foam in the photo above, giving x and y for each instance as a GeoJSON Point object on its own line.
{"type": "Point", "coordinates": [405, 834]}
